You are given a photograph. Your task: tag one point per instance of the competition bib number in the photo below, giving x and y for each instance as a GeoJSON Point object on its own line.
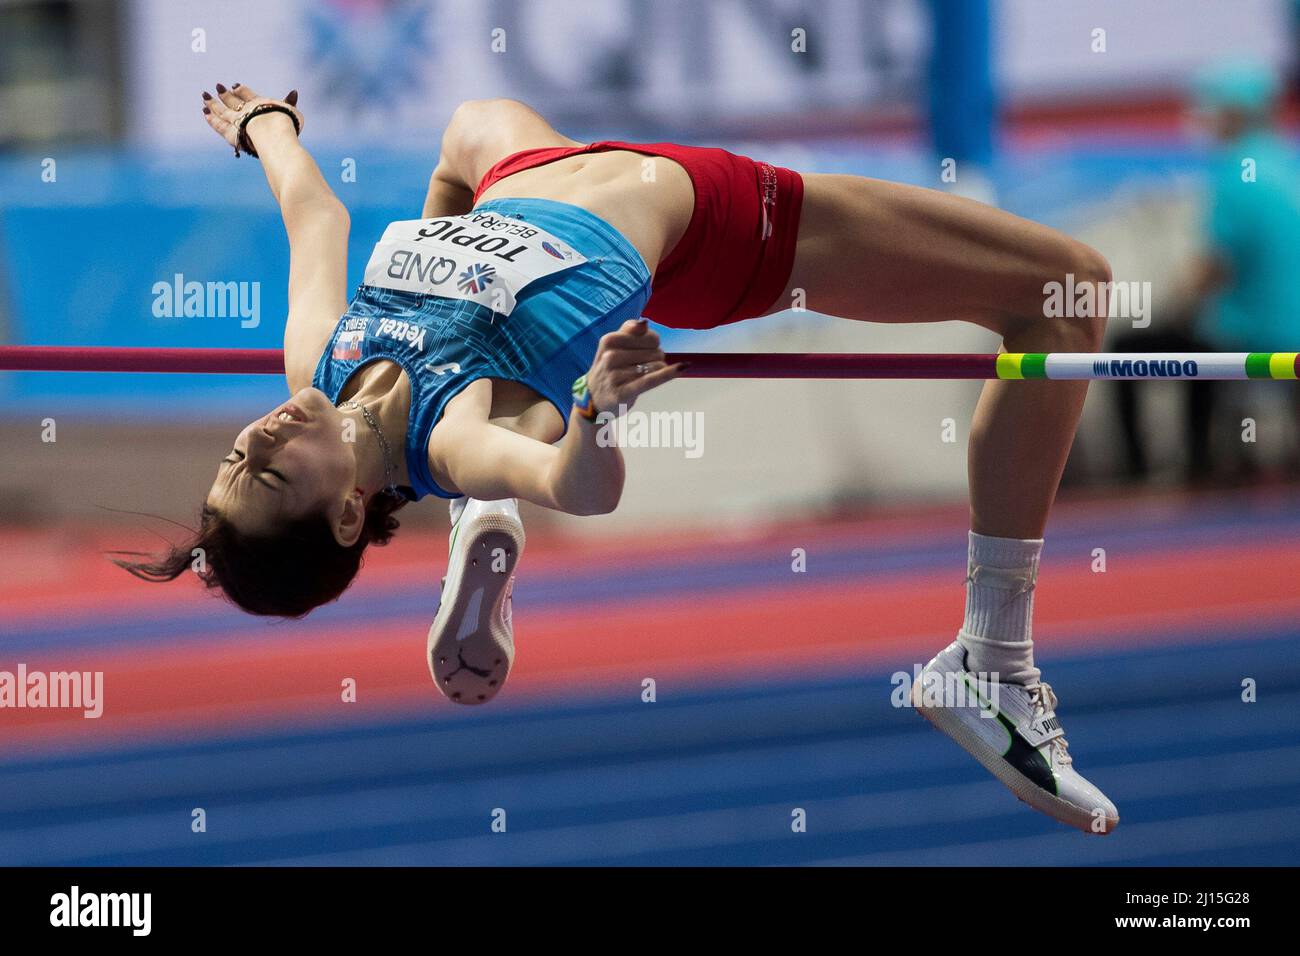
{"type": "Point", "coordinates": [479, 257]}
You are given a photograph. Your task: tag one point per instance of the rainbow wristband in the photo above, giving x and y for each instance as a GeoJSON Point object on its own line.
{"type": "Point", "coordinates": [582, 399]}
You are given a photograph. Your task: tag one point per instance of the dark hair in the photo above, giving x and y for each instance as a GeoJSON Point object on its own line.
{"type": "Point", "coordinates": [287, 574]}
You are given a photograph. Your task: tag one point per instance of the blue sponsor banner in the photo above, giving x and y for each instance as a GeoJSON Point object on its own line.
{"type": "Point", "coordinates": [193, 254]}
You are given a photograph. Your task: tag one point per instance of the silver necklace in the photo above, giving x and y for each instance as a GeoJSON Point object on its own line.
{"type": "Point", "coordinates": [383, 445]}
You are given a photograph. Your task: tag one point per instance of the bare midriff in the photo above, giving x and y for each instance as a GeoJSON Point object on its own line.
{"type": "Point", "coordinates": [648, 199]}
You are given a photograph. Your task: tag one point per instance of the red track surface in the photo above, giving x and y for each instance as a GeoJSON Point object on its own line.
{"type": "Point", "coordinates": [229, 681]}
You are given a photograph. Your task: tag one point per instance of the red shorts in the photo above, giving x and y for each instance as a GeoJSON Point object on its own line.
{"type": "Point", "coordinates": [734, 260]}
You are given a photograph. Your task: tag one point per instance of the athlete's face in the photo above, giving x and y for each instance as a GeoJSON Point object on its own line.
{"type": "Point", "coordinates": [291, 463]}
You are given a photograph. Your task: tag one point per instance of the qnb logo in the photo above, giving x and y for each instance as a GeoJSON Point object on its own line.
{"type": "Point", "coordinates": [413, 267]}
{"type": "Point", "coordinates": [1146, 368]}
{"type": "Point", "coordinates": [476, 278]}
{"type": "Point", "coordinates": [76, 909]}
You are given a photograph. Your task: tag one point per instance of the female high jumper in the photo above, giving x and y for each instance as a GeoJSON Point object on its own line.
{"type": "Point", "coordinates": [486, 336]}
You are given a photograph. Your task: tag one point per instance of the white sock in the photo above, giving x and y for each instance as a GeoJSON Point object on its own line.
{"type": "Point", "coordinates": [1000, 578]}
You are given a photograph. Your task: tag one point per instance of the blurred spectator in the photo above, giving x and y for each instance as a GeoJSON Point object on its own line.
{"type": "Point", "coordinates": [1295, 49]}
{"type": "Point", "coordinates": [1244, 292]}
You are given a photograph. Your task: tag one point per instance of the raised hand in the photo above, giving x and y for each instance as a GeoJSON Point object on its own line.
{"type": "Point", "coordinates": [228, 113]}
{"type": "Point", "coordinates": [628, 362]}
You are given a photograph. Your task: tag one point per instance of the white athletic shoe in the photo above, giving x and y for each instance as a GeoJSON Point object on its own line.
{"type": "Point", "coordinates": [1020, 742]}
{"type": "Point", "coordinates": [471, 643]}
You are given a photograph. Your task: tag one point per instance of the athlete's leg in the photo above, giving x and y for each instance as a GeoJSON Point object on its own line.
{"type": "Point", "coordinates": [879, 251]}
{"type": "Point", "coordinates": [886, 252]}
{"type": "Point", "coordinates": [479, 134]}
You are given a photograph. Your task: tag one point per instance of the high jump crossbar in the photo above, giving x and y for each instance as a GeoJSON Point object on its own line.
{"type": "Point", "coordinates": [1008, 365]}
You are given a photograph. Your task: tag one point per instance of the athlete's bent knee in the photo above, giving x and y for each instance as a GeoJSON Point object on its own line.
{"type": "Point", "coordinates": [1091, 272]}
{"type": "Point", "coordinates": [1075, 303]}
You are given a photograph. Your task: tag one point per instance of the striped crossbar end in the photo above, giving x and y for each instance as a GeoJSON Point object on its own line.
{"type": "Point", "coordinates": [1215, 366]}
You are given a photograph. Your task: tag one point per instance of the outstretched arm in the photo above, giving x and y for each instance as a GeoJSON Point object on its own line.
{"type": "Point", "coordinates": [314, 220]}
{"type": "Point", "coordinates": [579, 476]}
{"type": "Point", "coordinates": [583, 474]}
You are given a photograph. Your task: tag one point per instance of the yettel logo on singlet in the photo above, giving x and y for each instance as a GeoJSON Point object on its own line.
{"type": "Point", "coordinates": [479, 257]}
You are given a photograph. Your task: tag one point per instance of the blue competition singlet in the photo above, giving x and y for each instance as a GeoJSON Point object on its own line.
{"type": "Point", "coordinates": [517, 289]}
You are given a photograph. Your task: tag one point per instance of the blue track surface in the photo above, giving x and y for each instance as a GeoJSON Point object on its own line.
{"type": "Point", "coordinates": [708, 775]}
